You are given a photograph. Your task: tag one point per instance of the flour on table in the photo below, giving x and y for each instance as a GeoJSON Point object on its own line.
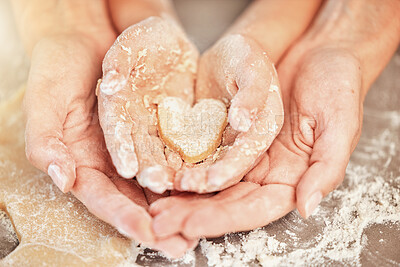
{"type": "Point", "coordinates": [364, 199]}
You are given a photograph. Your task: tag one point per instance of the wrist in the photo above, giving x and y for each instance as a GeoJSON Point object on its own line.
{"type": "Point", "coordinates": [50, 19]}
{"type": "Point", "coordinates": [126, 13]}
{"type": "Point", "coordinates": [273, 25]}
{"type": "Point", "coordinates": [368, 30]}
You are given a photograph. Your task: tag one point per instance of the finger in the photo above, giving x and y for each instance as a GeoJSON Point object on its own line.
{"type": "Point", "coordinates": [272, 169]}
{"type": "Point", "coordinates": [117, 128]}
{"type": "Point", "coordinates": [328, 162]}
{"type": "Point", "coordinates": [154, 173]}
{"type": "Point", "coordinates": [167, 202]}
{"type": "Point", "coordinates": [157, 178]}
{"type": "Point", "coordinates": [250, 146]}
{"type": "Point", "coordinates": [152, 197]}
{"type": "Point", "coordinates": [114, 101]}
{"type": "Point", "coordinates": [130, 83]}
{"type": "Point", "coordinates": [260, 171]}
{"type": "Point", "coordinates": [99, 194]}
{"type": "Point", "coordinates": [44, 134]}
{"type": "Point", "coordinates": [252, 76]}
{"type": "Point", "coordinates": [116, 97]}
{"type": "Point", "coordinates": [256, 209]}
{"type": "Point", "coordinates": [241, 157]}
{"type": "Point", "coordinates": [132, 190]}
{"type": "Point", "coordinates": [172, 218]}
{"type": "Point", "coordinates": [49, 154]}
{"type": "Point", "coordinates": [175, 246]}
{"type": "Point", "coordinates": [131, 63]}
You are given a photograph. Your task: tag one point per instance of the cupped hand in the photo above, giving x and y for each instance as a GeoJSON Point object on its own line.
{"type": "Point", "coordinates": [64, 138]}
{"type": "Point", "coordinates": [150, 60]}
{"type": "Point", "coordinates": [238, 72]}
{"type": "Point", "coordinates": [323, 106]}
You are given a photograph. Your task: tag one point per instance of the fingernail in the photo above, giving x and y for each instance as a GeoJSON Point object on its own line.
{"type": "Point", "coordinates": [313, 203]}
{"type": "Point", "coordinates": [55, 173]}
{"type": "Point", "coordinates": [145, 235]}
{"type": "Point", "coordinates": [240, 119]}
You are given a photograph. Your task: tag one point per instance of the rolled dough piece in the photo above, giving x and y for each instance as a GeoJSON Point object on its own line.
{"type": "Point", "coordinates": [54, 229]}
{"type": "Point", "coordinates": [194, 132]}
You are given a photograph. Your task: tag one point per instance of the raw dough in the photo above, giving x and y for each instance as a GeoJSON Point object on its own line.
{"type": "Point", "coordinates": [195, 132]}
{"type": "Point", "coordinates": [54, 229]}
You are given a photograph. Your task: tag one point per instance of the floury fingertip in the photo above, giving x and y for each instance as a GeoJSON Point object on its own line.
{"type": "Point", "coordinates": [312, 203]}
{"type": "Point", "coordinates": [112, 83]}
{"type": "Point", "coordinates": [240, 119]}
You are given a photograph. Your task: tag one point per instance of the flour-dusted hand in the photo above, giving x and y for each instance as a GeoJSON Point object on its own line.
{"type": "Point", "coordinates": [239, 73]}
{"type": "Point", "coordinates": [149, 61]}
{"type": "Point", "coordinates": [238, 70]}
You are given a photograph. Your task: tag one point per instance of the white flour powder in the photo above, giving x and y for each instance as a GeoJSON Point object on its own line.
{"type": "Point", "coordinates": [364, 199]}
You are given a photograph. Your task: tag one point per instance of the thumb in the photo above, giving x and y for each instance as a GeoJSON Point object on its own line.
{"type": "Point", "coordinates": [44, 148]}
{"type": "Point", "coordinates": [254, 75]}
{"type": "Point", "coordinates": [329, 159]}
{"type": "Point", "coordinates": [46, 111]}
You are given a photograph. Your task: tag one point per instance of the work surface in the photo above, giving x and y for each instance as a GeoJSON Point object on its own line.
{"type": "Point", "coordinates": [359, 223]}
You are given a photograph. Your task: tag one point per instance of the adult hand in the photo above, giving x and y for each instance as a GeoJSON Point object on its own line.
{"type": "Point", "coordinates": [321, 92]}
{"type": "Point", "coordinates": [324, 80]}
{"type": "Point", "coordinates": [63, 135]}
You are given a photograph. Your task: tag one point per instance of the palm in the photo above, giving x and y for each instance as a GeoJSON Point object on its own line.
{"type": "Point", "coordinates": [324, 119]}
{"type": "Point", "coordinates": [62, 85]}
{"type": "Point", "coordinates": [237, 72]}
{"type": "Point", "coordinates": [81, 136]}
{"type": "Point", "coordinates": [321, 129]}
{"type": "Point", "coordinates": [151, 59]}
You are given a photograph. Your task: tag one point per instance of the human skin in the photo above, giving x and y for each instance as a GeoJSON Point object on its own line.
{"type": "Point", "coordinates": [244, 80]}
{"type": "Point", "coordinates": [238, 69]}
{"type": "Point", "coordinates": [67, 41]}
{"type": "Point", "coordinates": [324, 79]}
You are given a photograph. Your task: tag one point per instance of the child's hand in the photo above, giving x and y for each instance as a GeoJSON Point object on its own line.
{"type": "Point", "coordinates": [238, 72]}
{"type": "Point", "coordinates": [149, 60]}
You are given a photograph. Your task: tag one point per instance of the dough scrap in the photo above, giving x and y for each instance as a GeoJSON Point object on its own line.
{"type": "Point", "coordinates": [54, 229]}
{"type": "Point", "coordinates": [194, 132]}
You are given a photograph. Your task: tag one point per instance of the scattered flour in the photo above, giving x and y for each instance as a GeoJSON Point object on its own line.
{"type": "Point", "coordinates": [365, 201]}
{"type": "Point", "coordinates": [336, 229]}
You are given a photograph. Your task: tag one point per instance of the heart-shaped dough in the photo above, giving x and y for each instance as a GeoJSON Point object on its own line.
{"type": "Point", "coordinates": [194, 132]}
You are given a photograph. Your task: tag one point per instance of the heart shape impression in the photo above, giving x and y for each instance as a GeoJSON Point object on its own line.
{"type": "Point", "coordinates": [194, 132]}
